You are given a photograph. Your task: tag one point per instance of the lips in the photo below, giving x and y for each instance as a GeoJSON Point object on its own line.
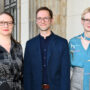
{"type": "Point", "coordinates": [43, 25]}
{"type": "Point", "coordinates": [5, 29]}
{"type": "Point", "coordinates": [88, 26]}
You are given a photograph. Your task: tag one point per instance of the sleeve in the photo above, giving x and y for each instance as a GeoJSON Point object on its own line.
{"type": "Point", "coordinates": [27, 69]}
{"type": "Point", "coordinates": [22, 69]}
{"type": "Point", "coordinates": [71, 50]}
{"type": "Point", "coordinates": [20, 55]}
{"type": "Point", "coordinates": [65, 68]}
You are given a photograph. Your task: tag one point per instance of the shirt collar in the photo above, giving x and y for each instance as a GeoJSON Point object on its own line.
{"type": "Point", "coordinates": [41, 37]}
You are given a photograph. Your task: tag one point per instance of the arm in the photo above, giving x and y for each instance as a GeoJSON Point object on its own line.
{"type": "Point", "coordinates": [21, 72]}
{"type": "Point", "coordinates": [65, 68]}
{"type": "Point", "coordinates": [71, 50]}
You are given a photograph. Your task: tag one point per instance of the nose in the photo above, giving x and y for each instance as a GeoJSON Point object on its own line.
{"type": "Point", "coordinates": [89, 21]}
{"type": "Point", "coordinates": [42, 20]}
{"type": "Point", "coordinates": [5, 24]}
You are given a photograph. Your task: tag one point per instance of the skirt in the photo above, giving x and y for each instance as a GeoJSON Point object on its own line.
{"type": "Point", "coordinates": [77, 78]}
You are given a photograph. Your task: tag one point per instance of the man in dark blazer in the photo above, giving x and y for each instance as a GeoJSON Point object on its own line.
{"type": "Point", "coordinates": [46, 60]}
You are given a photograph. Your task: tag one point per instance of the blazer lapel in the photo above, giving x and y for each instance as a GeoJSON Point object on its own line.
{"type": "Point", "coordinates": [38, 49]}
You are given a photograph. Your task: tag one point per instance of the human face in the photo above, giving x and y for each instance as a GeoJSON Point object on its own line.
{"type": "Point", "coordinates": [86, 22]}
{"type": "Point", "coordinates": [43, 20]}
{"type": "Point", "coordinates": [6, 25]}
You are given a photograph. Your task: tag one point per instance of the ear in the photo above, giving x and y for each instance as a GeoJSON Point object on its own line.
{"type": "Point", "coordinates": [52, 20]}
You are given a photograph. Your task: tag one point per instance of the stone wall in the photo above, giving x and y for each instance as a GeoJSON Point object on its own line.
{"type": "Point", "coordinates": [59, 10]}
{"type": "Point", "coordinates": [1, 5]}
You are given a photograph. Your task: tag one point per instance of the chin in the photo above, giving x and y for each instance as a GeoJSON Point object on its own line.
{"type": "Point", "coordinates": [87, 30]}
{"type": "Point", "coordinates": [43, 29]}
{"type": "Point", "coordinates": [7, 34]}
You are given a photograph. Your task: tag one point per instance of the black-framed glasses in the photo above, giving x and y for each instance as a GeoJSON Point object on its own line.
{"type": "Point", "coordinates": [86, 20]}
{"type": "Point", "coordinates": [46, 19]}
{"type": "Point", "coordinates": [9, 23]}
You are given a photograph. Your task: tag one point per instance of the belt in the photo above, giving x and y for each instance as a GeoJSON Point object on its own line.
{"type": "Point", "coordinates": [45, 86]}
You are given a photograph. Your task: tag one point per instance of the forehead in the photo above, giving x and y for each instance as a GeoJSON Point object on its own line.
{"type": "Point", "coordinates": [87, 15]}
{"type": "Point", "coordinates": [43, 13]}
{"type": "Point", "coordinates": [5, 17]}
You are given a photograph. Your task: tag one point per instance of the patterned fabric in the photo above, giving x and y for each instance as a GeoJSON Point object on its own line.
{"type": "Point", "coordinates": [80, 58]}
{"type": "Point", "coordinates": [77, 79]}
{"type": "Point", "coordinates": [11, 67]}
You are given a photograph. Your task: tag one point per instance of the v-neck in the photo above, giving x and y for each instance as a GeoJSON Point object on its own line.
{"type": "Point", "coordinates": [83, 46]}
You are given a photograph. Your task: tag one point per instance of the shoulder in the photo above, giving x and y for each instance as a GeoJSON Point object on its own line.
{"type": "Point", "coordinates": [17, 45]}
{"type": "Point", "coordinates": [33, 40]}
{"type": "Point", "coordinates": [60, 39]}
{"type": "Point", "coordinates": [75, 39]}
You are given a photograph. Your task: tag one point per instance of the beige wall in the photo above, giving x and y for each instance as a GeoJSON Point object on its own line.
{"type": "Point", "coordinates": [59, 10]}
{"type": "Point", "coordinates": [74, 11]}
{"type": "Point", "coordinates": [66, 15]}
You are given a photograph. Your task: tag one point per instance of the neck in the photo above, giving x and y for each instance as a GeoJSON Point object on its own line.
{"type": "Point", "coordinates": [5, 39]}
{"type": "Point", "coordinates": [87, 34]}
{"type": "Point", "coordinates": [45, 33]}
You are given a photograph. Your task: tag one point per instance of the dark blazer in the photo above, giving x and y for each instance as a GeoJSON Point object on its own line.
{"type": "Point", "coordinates": [58, 64]}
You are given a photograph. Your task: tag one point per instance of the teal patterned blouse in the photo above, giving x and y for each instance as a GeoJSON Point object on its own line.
{"type": "Point", "coordinates": [80, 58]}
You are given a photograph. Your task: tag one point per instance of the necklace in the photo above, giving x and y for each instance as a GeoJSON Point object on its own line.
{"type": "Point", "coordinates": [86, 38]}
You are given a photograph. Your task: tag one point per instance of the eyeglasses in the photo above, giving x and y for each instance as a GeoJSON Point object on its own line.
{"type": "Point", "coordinates": [86, 20]}
{"type": "Point", "coordinates": [9, 23]}
{"type": "Point", "coordinates": [46, 19]}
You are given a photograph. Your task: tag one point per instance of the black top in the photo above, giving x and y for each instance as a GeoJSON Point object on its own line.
{"type": "Point", "coordinates": [44, 49]}
{"type": "Point", "coordinates": [11, 67]}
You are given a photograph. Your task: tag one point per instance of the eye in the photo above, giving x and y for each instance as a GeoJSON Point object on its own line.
{"type": "Point", "coordinates": [46, 18]}
{"type": "Point", "coordinates": [10, 23]}
{"type": "Point", "coordinates": [86, 19]}
{"type": "Point", "coordinates": [39, 18]}
{"type": "Point", "coordinates": [1, 22]}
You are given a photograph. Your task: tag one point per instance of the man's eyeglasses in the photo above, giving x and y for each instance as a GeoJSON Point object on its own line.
{"type": "Point", "coordinates": [46, 19]}
{"type": "Point", "coordinates": [2, 23]}
{"type": "Point", "coordinates": [86, 20]}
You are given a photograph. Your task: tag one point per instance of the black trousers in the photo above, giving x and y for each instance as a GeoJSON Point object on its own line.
{"type": "Point", "coordinates": [45, 89]}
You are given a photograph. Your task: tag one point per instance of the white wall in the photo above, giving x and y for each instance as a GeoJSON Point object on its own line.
{"type": "Point", "coordinates": [74, 10]}
{"type": "Point", "coordinates": [24, 22]}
